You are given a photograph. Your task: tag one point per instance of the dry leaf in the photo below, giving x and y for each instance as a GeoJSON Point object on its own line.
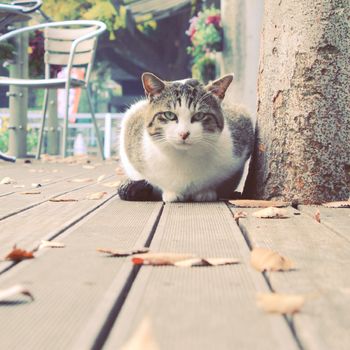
{"type": "Point", "coordinates": [18, 254]}
{"type": "Point", "coordinates": [51, 244]}
{"type": "Point", "coordinates": [160, 258]}
{"type": "Point", "coordinates": [341, 204]}
{"type": "Point", "coordinates": [317, 216]}
{"type": "Point", "coordinates": [81, 180]}
{"type": "Point", "coordinates": [239, 215]}
{"type": "Point", "coordinates": [142, 338]}
{"type": "Point", "coordinates": [247, 203]}
{"type": "Point", "coordinates": [205, 262]}
{"type": "Point", "coordinates": [120, 253]}
{"type": "Point", "coordinates": [112, 184]}
{"type": "Point", "coordinates": [7, 181]}
{"type": "Point", "coordinates": [17, 289]}
{"type": "Point", "coordinates": [96, 195]}
{"type": "Point", "coordinates": [63, 200]}
{"type": "Point", "coordinates": [119, 171]}
{"type": "Point", "coordinates": [263, 259]}
{"type": "Point", "coordinates": [272, 213]}
{"type": "Point", "coordinates": [31, 192]}
{"type": "Point", "coordinates": [100, 178]}
{"type": "Point", "coordinates": [36, 185]}
{"type": "Point", "coordinates": [280, 303]}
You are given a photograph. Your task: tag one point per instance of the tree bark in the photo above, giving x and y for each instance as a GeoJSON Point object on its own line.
{"type": "Point", "coordinates": [302, 150]}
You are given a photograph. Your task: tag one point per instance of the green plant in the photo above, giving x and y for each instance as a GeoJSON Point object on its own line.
{"type": "Point", "coordinates": [205, 33]}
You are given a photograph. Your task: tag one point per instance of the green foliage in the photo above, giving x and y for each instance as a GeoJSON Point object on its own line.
{"type": "Point", "coordinates": [205, 32]}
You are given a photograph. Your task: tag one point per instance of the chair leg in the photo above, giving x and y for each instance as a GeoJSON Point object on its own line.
{"type": "Point", "coordinates": [65, 126]}
{"type": "Point", "coordinates": [41, 132]}
{"type": "Point", "coordinates": [95, 124]}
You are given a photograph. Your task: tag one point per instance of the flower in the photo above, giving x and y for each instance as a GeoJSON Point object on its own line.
{"type": "Point", "coordinates": [216, 20]}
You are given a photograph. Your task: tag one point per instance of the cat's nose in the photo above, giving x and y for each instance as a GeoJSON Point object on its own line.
{"type": "Point", "coordinates": [184, 134]}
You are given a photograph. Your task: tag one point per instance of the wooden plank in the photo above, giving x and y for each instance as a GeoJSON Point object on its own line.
{"type": "Point", "coordinates": [69, 283]}
{"type": "Point", "coordinates": [17, 202]}
{"type": "Point", "coordinates": [321, 257]}
{"type": "Point", "coordinates": [336, 219]}
{"type": "Point", "coordinates": [203, 307]}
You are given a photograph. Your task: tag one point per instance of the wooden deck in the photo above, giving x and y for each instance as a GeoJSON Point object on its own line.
{"type": "Point", "coordinates": [86, 300]}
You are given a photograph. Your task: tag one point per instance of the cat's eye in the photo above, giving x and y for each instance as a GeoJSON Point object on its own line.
{"type": "Point", "coordinates": [198, 117]}
{"type": "Point", "coordinates": [170, 115]}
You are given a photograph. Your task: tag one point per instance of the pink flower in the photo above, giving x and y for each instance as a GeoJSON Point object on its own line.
{"type": "Point", "coordinates": [216, 20]}
{"type": "Point", "coordinates": [192, 29]}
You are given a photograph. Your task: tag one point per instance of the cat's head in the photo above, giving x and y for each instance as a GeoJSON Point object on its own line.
{"type": "Point", "coordinates": [184, 113]}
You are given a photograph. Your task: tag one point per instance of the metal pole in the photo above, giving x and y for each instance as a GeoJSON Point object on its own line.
{"type": "Point", "coordinates": [52, 124]}
{"type": "Point", "coordinates": [19, 100]}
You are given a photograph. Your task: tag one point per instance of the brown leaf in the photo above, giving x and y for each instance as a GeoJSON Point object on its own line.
{"type": "Point", "coordinates": [81, 180]}
{"type": "Point", "coordinates": [261, 148]}
{"type": "Point", "coordinates": [340, 204]}
{"type": "Point", "coordinates": [112, 184]}
{"type": "Point", "coordinates": [51, 244]}
{"type": "Point", "coordinates": [18, 254]}
{"type": "Point", "coordinates": [263, 259]}
{"type": "Point", "coordinates": [272, 213]}
{"type": "Point", "coordinates": [31, 192]}
{"type": "Point", "coordinates": [96, 195]}
{"type": "Point", "coordinates": [17, 289]}
{"type": "Point", "coordinates": [160, 258]}
{"type": "Point", "coordinates": [239, 215]}
{"type": "Point", "coordinates": [63, 200]}
{"type": "Point", "coordinates": [120, 253]}
{"type": "Point", "coordinates": [205, 262]}
{"type": "Point", "coordinates": [142, 338]}
{"type": "Point", "coordinates": [7, 181]}
{"type": "Point", "coordinates": [280, 303]}
{"type": "Point", "coordinates": [247, 203]}
{"type": "Point", "coordinates": [317, 216]}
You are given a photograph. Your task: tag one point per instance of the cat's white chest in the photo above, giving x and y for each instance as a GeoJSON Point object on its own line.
{"type": "Point", "coordinates": [190, 171]}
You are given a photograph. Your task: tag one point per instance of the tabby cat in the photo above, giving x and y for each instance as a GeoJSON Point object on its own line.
{"type": "Point", "coordinates": [183, 141]}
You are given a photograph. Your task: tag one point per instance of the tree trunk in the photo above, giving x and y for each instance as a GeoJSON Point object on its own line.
{"type": "Point", "coordinates": [302, 150]}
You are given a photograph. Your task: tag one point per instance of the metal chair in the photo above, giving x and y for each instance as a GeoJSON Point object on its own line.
{"type": "Point", "coordinates": [70, 44]}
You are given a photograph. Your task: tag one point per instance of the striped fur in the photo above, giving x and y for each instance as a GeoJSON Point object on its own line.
{"type": "Point", "coordinates": [184, 141]}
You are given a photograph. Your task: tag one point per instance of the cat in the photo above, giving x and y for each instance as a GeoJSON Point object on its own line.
{"type": "Point", "coordinates": [183, 142]}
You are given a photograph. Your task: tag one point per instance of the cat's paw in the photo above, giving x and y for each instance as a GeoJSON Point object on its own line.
{"type": "Point", "coordinates": [205, 196]}
{"type": "Point", "coordinates": [172, 197]}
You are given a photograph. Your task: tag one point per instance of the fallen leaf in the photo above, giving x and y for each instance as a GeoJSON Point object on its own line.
{"type": "Point", "coordinates": [341, 204]}
{"type": "Point", "coordinates": [112, 184]}
{"type": "Point", "coordinates": [81, 180]}
{"type": "Point", "coordinates": [160, 258]}
{"type": "Point", "coordinates": [100, 178]}
{"type": "Point", "coordinates": [239, 215]}
{"type": "Point", "coordinates": [51, 244]}
{"type": "Point", "coordinates": [31, 192]}
{"type": "Point", "coordinates": [142, 338]}
{"type": "Point", "coordinates": [119, 171]}
{"type": "Point", "coordinates": [263, 259]}
{"type": "Point", "coordinates": [120, 253]}
{"type": "Point", "coordinates": [36, 185]}
{"type": "Point", "coordinates": [7, 181]}
{"type": "Point", "coordinates": [205, 262]}
{"type": "Point", "coordinates": [17, 289]}
{"type": "Point", "coordinates": [63, 200]}
{"type": "Point", "coordinates": [280, 303]}
{"type": "Point", "coordinates": [246, 203]}
{"type": "Point", "coordinates": [96, 195]}
{"type": "Point", "coordinates": [317, 216]}
{"type": "Point", "coordinates": [18, 254]}
{"type": "Point", "coordinates": [272, 213]}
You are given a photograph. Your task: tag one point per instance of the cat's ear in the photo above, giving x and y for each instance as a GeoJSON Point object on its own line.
{"type": "Point", "coordinates": [219, 86]}
{"type": "Point", "coordinates": [152, 84]}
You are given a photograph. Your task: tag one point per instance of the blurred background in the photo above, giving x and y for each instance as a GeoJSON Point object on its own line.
{"type": "Point", "coordinates": [174, 39]}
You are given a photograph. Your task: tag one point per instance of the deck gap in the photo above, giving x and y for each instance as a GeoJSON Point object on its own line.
{"type": "Point", "coordinates": [289, 320]}
{"type": "Point", "coordinates": [115, 310]}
